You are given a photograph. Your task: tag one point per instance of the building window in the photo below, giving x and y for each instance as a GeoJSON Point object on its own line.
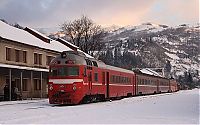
{"type": "Point", "coordinates": [8, 54]}
{"type": "Point", "coordinates": [37, 58]}
{"type": "Point", "coordinates": [17, 55]}
{"type": "Point", "coordinates": [37, 84]}
{"type": "Point", "coordinates": [24, 56]}
{"type": "Point", "coordinates": [40, 59]}
{"type": "Point", "coordinates": [25, 85]}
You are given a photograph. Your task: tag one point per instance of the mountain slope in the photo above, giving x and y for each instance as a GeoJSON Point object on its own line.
{"type": "Point", "coordinates": [155, 44]}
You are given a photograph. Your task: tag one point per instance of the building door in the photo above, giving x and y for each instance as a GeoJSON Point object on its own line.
{"type": "Point", "coordinates": [107, 84]}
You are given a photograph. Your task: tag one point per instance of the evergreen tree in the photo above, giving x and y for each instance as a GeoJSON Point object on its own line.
{"type": "Point", "coordinates": [109, 57]}
{"type": "Point", "coordinates": [117, 57]}
{"type": "Point", "coordinates": [168, 69]}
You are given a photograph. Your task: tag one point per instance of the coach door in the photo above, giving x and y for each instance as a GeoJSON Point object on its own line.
{"type": "Point", "coordinates": [90, 80]}
{"type": "Point", "coordinates": [107, 84]}
{"type": "Point", "coordinates": [135, 83]}
{"type": "Point", "coordinates": [158, 86]}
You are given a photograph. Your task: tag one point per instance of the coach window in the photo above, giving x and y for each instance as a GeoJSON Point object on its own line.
{"type": "Point", "coordinates": [129, 80]}
{"type": "Point", "coordinates": [118, 79]}
{"type": "Point", "coordinates": [143, 82]}
{"type": "Point", "coordinates": [96, 77]}
{"type": "Point", "coordinates": [123, 80]}
{"type": "Point", "coordinates": [112, 78]}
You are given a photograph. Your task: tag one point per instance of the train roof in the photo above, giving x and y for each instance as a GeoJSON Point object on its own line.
{"type": "Point", "coordinates": [105, 66]}
{"type": "Point", "coordinates": [84, 58]}
{"type": "Point", "coordinates": [143, 72]}
{"type": "Point", "coordinates": [150, 72]}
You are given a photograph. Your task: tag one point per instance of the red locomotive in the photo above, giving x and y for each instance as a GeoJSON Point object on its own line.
{"type": "Point", "coordinates": [74, 78]}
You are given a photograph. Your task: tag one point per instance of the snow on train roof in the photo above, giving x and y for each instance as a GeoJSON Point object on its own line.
{"type": "Point", "coordinates": [22, 36]}
{"type": "Point", "coordinates": [150, 72]}
{"type": "Point", "coordinates": [103, 65]}
{"type": "Point", "coordinates": [119, 69]}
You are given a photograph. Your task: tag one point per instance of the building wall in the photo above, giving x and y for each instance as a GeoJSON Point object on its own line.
{"type": "Point", "coordinates": [30, 54]}
{"type": "Point", "coordinates": [31, 92]}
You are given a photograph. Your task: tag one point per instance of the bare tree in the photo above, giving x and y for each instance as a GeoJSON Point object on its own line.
{"type": "Point", "coordinates": [85, 34]}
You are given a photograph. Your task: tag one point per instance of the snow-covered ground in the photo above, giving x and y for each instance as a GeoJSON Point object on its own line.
{"type": "Point", "coordinates": [171, 108]}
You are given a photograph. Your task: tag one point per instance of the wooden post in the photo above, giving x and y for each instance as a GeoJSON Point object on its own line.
{"type": "Point", "coordinates": [10, 83]}
{"type": "Point", "coordinates": [31, 85]}
{"type": "Point", "coordinates": [41, 85]}
{"type": "Point", "coordinates": [21, 83]}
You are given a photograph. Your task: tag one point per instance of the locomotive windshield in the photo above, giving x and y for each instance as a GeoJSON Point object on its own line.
{"type": "Point", "coordinates": [64, 71]}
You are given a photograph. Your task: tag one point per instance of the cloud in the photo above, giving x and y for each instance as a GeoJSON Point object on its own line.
{"type": "Point", "coordinates": [26, 10]}
{"type": "Point", "coordinates": [51, 13]}
{"type": "Point", "coordinates": [174, 12]}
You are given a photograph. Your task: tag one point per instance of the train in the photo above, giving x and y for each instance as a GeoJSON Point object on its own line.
{"type": "Point", "coordinates": [74, 78]}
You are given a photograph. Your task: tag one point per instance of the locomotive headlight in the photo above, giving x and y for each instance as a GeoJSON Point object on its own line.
{"type": "Point", "coordinates": [50, 87]}
{"type": "Point", "coordinates": [74, 88]}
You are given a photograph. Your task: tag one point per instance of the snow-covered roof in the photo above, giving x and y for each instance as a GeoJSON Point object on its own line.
{"type": "Point", "coordinates": [38, 33]}
{"type": "Point", "coordinates": [150, 72]}
{"type": "Point", "coordinates": [22, 36]}
{"type": "Point", "coordinates": [65, 41]}
{"type": "Point", "coordinates": [73, 46]}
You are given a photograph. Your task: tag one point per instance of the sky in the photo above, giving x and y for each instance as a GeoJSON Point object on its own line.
{"type": "Point", "coordinates": [52, 13]}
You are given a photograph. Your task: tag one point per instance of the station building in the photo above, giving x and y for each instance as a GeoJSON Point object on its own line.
{"type": "Point", "coordinates": [25, 55]}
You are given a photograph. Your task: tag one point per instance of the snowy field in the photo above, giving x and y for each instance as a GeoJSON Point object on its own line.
{"type": "Point", "coordinates": [171, 108]}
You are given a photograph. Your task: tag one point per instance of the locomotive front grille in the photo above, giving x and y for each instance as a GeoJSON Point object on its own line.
{"type": "Point", "coordinates": [61, 98]}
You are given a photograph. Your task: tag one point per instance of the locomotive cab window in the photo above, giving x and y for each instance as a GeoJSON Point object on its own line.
{"type": "Point", "coordinates": [85, 72]}
{"type": "Point", "coordinates": [94, 63]}
{"type": "Point", "coordinates": [64, 71]}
